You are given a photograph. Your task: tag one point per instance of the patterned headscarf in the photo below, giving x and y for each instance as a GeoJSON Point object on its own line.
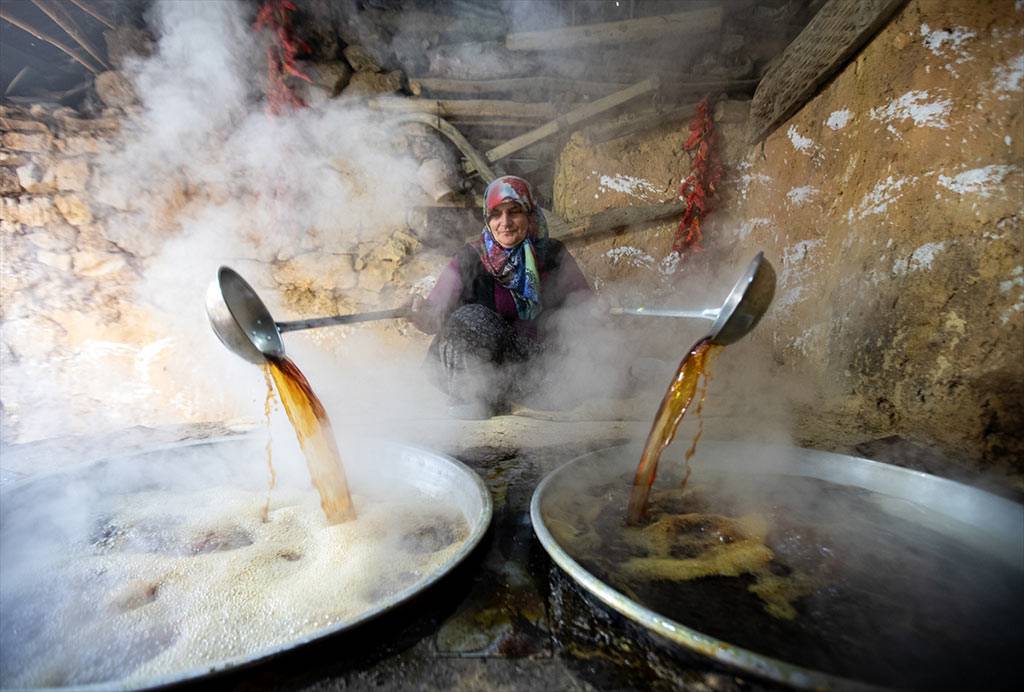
{"type": "Point", "coordinates": [516, 268]}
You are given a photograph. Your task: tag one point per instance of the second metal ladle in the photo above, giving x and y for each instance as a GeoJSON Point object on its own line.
{"type": "Point", "coordinates": [743, 308]}
{"type": "Point", "coordinates": [242, 322]}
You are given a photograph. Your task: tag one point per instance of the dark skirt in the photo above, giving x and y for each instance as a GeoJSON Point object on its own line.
{"type": "Point", "coordinates": [478, 357]}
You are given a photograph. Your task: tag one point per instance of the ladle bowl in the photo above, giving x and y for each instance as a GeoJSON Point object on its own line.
{"type": "Point", "coordinates": [742, 310]}
{"type": "Point", "coordinates": [244, 324]}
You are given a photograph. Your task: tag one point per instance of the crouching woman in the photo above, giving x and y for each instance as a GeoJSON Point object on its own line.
{"type": "Point", "coordinates": [493, 307]}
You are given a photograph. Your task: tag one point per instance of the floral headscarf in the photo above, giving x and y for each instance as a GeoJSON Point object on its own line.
{"type": "Point", "coordinates": [516, 268]}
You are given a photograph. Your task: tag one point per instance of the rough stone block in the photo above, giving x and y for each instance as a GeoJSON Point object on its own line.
{"type": "Point", "coordinates": [22, 125]}
{"type": "Point", "coordinates": [56, 237]}
{"type": "Point", "coordinates": [76, 145]}
{"type": "Point", "coordinates": [93, 264]}
{"type": "Point", "coordinates": [133, 237]}
{"type": "Point", "coordinates": [28, 211]}
{"type": "Point", "coordinates": [35, 142]}
{"type": "Point", "coordinates": [31, 339]}
{"type": "Point", "coordinates": [315, 271]}
{"type": "Point", "coordinates": [360, 59]}
{"type": "Point", "coordinates": [376, 276]}
{"type": "Point", "coordinates": [74, 209]}
{"type": "Point", "coordinates": [374, 83]}
{"type": "Point", "coordinates": [9, 183]}
{"type": "Point", "coordinates": [37, 178]}
{"type": "Point", "coordinates": [115, 90]}
{"type": "Point", "coordinates": [72, 174]}
{"type": "Point", "coordinates": [12, 159]}
{"type": "Point", "coordinates": [61, 261]}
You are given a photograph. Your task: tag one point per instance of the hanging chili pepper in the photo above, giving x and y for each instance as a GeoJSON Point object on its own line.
{"type": "Point", "coordinates": [699, 187]}
{"type": "Point", "coordinates": [274, 16]}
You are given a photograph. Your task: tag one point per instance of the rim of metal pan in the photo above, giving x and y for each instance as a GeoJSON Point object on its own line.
{"type": "Point", "coordinates": [901, 483]}
{"type": "Point", "coordinates": [478, 529]}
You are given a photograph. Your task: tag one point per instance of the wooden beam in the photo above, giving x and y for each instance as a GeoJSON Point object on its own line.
{"type": "Point", "coordinates": [638, 122]}
{"type": "Point", "coordinates": [570, 120]}
{"type": "Point", "coordinates": [466, 87]}
{"type": "Point", "coordinates": [93, 12]}
{"type": "Point", "coordinates": [467, 108]}
{"type": "Point", "coordinates": [700, 21]}
{"type": "Point", "coordinates": [42, 36]}
{"type": "Point", "coordinates": [614, 219]}
{"type": "Point", "coordinates": [830, 39]}
{"type": "Point", "coordinates": [66, 22]}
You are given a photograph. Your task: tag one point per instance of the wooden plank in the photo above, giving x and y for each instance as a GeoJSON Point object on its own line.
{"type": "Point", "coordinates": [830, 39]}
{"type": "Point", "coordinates": [467, 108]}
{"type": "Point", "coordinates": [571, 119]}
{"type": "Point", "coordinates": [628, 31]}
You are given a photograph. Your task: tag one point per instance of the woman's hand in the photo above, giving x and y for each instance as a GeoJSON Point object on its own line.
{"type": "Point", "coordinates": [421, 314]}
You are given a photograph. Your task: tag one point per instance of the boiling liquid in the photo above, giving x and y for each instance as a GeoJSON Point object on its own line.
{"type": "Point", "coordinates": [313, 429]}
{"type": "Point", "coordinates": [673, 407]}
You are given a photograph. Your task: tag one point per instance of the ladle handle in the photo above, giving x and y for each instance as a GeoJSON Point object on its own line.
{"type": "Point", "coordinates": [708, 314]}
{"type": "Point", "coordinates": [296, 325]}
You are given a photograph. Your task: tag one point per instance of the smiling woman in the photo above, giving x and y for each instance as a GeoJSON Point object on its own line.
{"type": "Point", "coordinates": [492, 305]}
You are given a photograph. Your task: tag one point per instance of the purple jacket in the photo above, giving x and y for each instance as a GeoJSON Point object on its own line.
{"type": "Point", "coordinates": [465, 281]}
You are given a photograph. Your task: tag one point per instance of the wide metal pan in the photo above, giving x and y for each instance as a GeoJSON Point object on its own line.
{"type": "Point", "coordinates": [993, 525]}
{"type": "Point", "coordinates": [63, 497]}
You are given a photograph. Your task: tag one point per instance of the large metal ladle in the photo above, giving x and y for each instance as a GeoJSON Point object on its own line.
{"type": "Point", "coordinates": [743, 308]}
{"type": "Point", "coordinates": [242, 322]}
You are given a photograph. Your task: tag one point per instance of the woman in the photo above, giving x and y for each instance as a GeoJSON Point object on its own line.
{"type": "Point", "coordinates": [492, 305]}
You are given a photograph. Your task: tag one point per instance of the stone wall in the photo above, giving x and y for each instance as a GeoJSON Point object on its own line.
{"type": "Point", "coordinates": [81, 352]}
{"type": "Point", "coordinates": [891, 206]}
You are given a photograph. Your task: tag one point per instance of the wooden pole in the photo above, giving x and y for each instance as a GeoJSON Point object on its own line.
{"type": "Point", "coordinates": [56, 43]}
{"type": "Point", "coordinates": [66, 22]}
{"type": "Point", "coordinates": [703, 21]}
{"type": "Point", "coordinates": [570, 120]}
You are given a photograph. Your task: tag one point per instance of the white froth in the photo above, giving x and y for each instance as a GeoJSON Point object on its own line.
{"type": "Point", "coordinates": [144, 605]}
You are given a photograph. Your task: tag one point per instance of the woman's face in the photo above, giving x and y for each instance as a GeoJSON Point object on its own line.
{"type": "Point", "coordinates": [509, 224]}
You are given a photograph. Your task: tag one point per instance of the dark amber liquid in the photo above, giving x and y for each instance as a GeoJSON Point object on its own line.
{"type": "Point", "coordinates": [670, 413]}
{"type": "Point", "coordinates": [313, 429]}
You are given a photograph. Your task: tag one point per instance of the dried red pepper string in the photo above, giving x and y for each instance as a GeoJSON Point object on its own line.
{"type": "Point", "coordinates": [275, 17]}
{"type": "Point", "coordinates": [699, 187]}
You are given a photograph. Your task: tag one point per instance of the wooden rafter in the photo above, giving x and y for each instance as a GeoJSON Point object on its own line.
{"type": "Point", "coordinates": [93, 12]}
{"type": "Point", "coordinates": [570, 120]}
{"type": "Point", "coordinates": [42, 36]}
{"type": "Point", "coordinates": [66, 22]}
